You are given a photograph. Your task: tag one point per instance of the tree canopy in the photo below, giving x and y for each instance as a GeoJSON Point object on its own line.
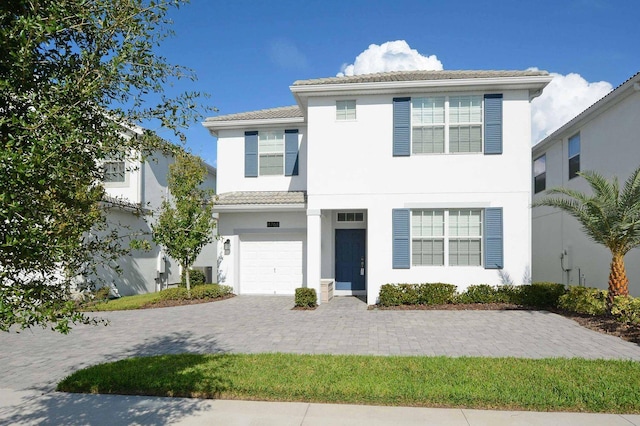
{"type": "Point", "coordinates": [75, 76]}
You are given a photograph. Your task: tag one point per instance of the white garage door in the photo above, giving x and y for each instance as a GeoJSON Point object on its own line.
{"type": "Point", "coordinates": [271, 264]}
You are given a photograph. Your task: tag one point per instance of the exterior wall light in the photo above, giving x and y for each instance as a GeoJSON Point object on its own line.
{"type": "Point", "coordinates": [227, 247]}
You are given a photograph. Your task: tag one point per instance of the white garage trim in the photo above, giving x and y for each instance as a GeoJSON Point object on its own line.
{"type": "Point", "coordinates": [271, 263]}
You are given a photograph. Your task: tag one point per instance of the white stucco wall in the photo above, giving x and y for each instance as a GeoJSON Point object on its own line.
{"type": "Point", "coordinates": [609, 144]}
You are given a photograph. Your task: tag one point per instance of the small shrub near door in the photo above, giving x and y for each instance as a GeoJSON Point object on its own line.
{"type": "Point", "coordinates": [416, 294]}
{"type": "Point", "coordinates": [481, 293]}
{"type": "Point", "coordinates": [306, 298]}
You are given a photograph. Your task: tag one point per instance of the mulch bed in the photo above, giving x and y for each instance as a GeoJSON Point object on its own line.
{"type": "Point", "coordinates": [601, 323]}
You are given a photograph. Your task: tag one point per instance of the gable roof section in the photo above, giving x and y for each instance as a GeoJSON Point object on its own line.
{"type": "Point", "coordinates": [619, 93]}
{"type": "Point", "coordinates": [289, 115]}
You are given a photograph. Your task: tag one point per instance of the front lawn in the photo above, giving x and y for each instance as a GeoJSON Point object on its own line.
{"type": "Point", "coordinates": [484, 383]}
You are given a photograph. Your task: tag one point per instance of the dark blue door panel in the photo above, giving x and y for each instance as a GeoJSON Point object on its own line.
{"type": "Point", "coordinates": [350, 261]}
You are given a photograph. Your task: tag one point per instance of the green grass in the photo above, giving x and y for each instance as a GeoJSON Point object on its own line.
{"type": "Point", "coordinates": [124, 303]}
{"type": "Point", "coordinates": [486, 383]}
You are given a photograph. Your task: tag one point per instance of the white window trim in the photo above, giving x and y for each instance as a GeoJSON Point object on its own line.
{"type": "Point", "coordinates": [447, 237]}
{"type": "Point", "coordinates": [120, 184]}
{"type": "Point", "coordinates": [447, 123]}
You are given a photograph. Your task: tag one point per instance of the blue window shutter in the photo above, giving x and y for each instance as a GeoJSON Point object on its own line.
{"type": "Point", "coordinates": [401, 127]}
{"type": "Point", "coordinates": [250, 154]}
{"type": "Point", "coordinates": [493, 124]}
{"type": "Point", "coordinates": [493, 240]}
{"type": "Point", "coordinates": [401, 238]}
{"type": "Point", "coordinates": [291, 152]}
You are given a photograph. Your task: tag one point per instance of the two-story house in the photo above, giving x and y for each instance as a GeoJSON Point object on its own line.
{"type": "Point", "coordinates": [604, 138]}
{"type": "Point", "coordinates": [397, 177]}
{"type": "Point", "coordinates": [134, 189]}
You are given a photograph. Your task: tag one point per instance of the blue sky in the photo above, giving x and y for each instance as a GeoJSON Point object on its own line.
{"type": "Point", "coordinates": [247, 53]}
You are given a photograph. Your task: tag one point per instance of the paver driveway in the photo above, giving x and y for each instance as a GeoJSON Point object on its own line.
{"type": "Point", "coordinates": [38, 359]}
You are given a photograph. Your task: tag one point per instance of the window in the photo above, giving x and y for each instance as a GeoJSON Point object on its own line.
{"type": "Point", "coordinates": [114, 172]}
{"type": "Point", "coordinates": [574, 155]}
{"type": "Point", "coordinates": [454, 235]}
{"type": "Point", "coordinates": [271, 152]}
{"type": "Point", "coordinates": [350, 217]}
{"type": "Point", "coordinates": [540, 174]}
{"type": "Point", "coordinates": [345, 110]}
{"type": "Point", "coordinates": [443, 124]}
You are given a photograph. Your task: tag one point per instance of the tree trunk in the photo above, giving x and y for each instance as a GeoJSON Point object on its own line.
{"type": "Point", "coordinates": [618, 281]}
{"type": "Point", "coordinates": [188, 280]}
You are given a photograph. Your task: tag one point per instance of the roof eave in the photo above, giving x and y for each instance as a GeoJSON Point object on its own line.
{"type": "Point", "coordinates": [215, 126]}
{"type": "Point", "coordinates": [232, 208]}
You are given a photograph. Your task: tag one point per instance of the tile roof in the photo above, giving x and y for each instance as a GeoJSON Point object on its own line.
{"type": "Point", "coordinates": [419, 75]}
{"type": "Point", "coordinates": [262, 197]}
{"type": "Point", "coordinates": [263, 114]}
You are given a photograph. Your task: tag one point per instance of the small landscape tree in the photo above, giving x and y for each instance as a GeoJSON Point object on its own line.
{"type": "Point", "coordinates": [610, 217]}
{"type": "Point", "coordinates": [185, 223]}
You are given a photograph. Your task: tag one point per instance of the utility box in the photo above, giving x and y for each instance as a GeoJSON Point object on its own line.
{"type": "Point", "coordinates": [326, 291]}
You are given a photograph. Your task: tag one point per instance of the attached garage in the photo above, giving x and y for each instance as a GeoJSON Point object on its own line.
{"type": "Point", "coordinates": [271, 263]}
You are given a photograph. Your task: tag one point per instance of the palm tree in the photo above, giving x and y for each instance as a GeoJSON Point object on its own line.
{"type": "Point", "coordinates": [609, 217]}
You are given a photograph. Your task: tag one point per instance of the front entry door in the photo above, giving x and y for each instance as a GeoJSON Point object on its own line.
{"type": "Point", "coordinates": [350, 261]}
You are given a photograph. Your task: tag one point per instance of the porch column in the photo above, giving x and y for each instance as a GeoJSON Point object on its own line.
{"type": "Point", "coordinates": [314, 228]}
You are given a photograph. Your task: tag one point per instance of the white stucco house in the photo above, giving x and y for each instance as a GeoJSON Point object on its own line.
{"type": "Point", "coordinates": [604, 138]}
{"type": "Point", "coordinates": [398, 177]}
{"type": "Point", "coordinates": [135, 188]}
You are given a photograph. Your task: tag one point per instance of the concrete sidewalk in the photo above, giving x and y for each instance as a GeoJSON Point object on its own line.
{"type": "Point", "coordinates": [55, 408]}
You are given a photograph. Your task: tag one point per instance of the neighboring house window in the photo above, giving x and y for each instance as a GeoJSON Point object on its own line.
{"type": "Point", "coordinates": [447, 237]}
{"type": "Point", "coordinates": [345, 110]}
{"type": "Point", "coordinates": [114, 172]}
{"type": "Point", "coordinates": [447, 124]}
{"type": "Point", "coordinates": [574, 155]}
{"type": "Point", "coordinates": [540, 174]}
{"type": "Point", "coordinates": [350, 217]}
{"type": "Point", "coordinates": [455, 235]}
{"type": "Point", "coordinates": [271, 153]}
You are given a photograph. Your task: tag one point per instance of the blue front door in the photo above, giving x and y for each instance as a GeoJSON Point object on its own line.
{"type": "Point", "coordinates": [350, 261]}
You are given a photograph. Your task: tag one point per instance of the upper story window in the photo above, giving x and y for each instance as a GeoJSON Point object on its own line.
{"type": "Point", "coordinates": [345, 110]}
{"type": "Point", "coordinates": [574, 155]}
{"type": "Point", "coordinates": [114, 172]}
{"type": "Point", "coordinates": [455, 235]}
{"type": "Point", "coordinates": [271, 153]}
{"type": "Point", "coordinates": [540, 174]}
{"type": "Point", "coordinates": [443, 124]}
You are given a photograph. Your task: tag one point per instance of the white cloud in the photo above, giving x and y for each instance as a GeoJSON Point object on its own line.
{"type": "Point", "coordinates": [285, 54]}
{"type": "Point", "coordinates": [564, 98]}
{"type": "Point", "coordinates": [390, 56]}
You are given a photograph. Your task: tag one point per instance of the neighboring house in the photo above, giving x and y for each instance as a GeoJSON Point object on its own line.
{"type": "Point", "coordinates": [399, 177]}
{"type": "Point", "coordinates": [135, 189]}
{"type": "Point", "coordinates": [603, 138]}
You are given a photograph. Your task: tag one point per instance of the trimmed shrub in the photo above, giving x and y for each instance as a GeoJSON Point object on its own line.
{"type": "Point", "coordinates": [306, 297]}
{"type": "Point", "coordinates": [102, 293]}
{"type": "Point", "coordinates": [416, 294]}
{"type": "Point", "coordinates": [509, 293]}
{"type": "Point", "coordinates": [196, 277]}
{"type": "Point", "coordinates": [584, 300]}
{"type": "Point", "coordinates": [435, 293]}
{"type": "Point", "coordinates": [176, 293]}
{"type": "Point", "coordinates": [626, 309]}
{"type": "Point", "coordinates": [541, 294]}
{"type": "Point", "coordinates": [481, 293]}
{"type": "Point", "coordinates": [210, 291]}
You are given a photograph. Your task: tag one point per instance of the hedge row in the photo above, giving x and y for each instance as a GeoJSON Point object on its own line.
{"type": "Point", "coordinates": [583, 300]}
{"type": "Point", "coordinates": [206, 291]}
{"type": "Point", "coordinates": [542, 295]}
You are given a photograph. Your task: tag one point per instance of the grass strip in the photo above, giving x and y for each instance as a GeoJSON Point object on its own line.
{"type": "Point", "coordinates": [124, 303]}
{"type": "Point", "coordinates": [603, 386]}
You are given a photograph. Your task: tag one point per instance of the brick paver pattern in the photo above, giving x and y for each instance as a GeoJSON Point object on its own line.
{"type": "Point", "coordinates": [38, 359]}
